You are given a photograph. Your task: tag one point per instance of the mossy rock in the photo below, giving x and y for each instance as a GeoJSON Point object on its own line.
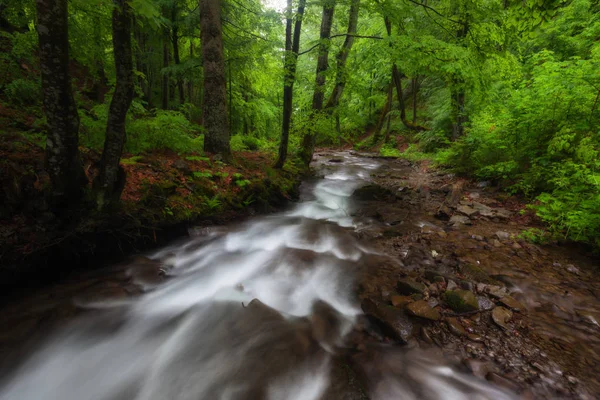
{"type": "Point", "coordinates": [475, 273]}
{"type": "Point", "coordinates": [461, 301]}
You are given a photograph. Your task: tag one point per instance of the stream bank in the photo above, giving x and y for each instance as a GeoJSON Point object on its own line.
{"type": "Point", "coordinates": [521, 315]}
{"type": "Point", "coordinates": [165, 194]}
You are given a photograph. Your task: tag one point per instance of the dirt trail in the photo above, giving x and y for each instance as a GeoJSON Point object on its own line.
{"type": "Point", "coordinates": [540, 334]}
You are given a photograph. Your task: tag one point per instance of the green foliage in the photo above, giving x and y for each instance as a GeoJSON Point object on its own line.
{"type": "Point", "coordinates": [23, 92]}
{"type": "Point", "coordinates": [197, 158]}
{"type": "Point", "coordinates": [203, 174]}
{"type": "Point", "coordinates": [147, 132]}
{"type": "Point", "coordinates": [212, 203]}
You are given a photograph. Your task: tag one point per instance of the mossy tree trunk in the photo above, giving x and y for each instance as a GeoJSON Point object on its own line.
{"type": "Point", "coordinates": [111, 178]}
{"type": "Point", "coordinates": [342, 57]}
{"type": "Point", "coordinates": [292, 47]}
{"type": "Point", "coordinates": [308, 141]}
{"type": "Point", "coordinates": [63, 161]}
{"type": "Point", "coordinates": [216, 137]}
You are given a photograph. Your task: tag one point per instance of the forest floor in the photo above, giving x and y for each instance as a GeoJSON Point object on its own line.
{"type": "Point", "coordinates": [522, 315]}
{"type": "Point", "coordinates": [165, 192]}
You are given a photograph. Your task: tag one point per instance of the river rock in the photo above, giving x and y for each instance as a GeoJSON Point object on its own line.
{"type": "Point", "coordinates": [455, 327]}
{"type": "Point", "coordinates": [512, 303]}
{"type": "Point", "coordinates": [466, 210]}
{"type": "Point", "coordinates": [373, 192]}
{"type": "Point", "coordinates": [482, 209]}
{"type": "Point", "coordinates": [422, 309]}
{"type": "Point", "coordinates": [401, 301]}
{"type": "Point", "coordinates": [501, 316]}
{"type": "Point", "coordinates": [502, 235]}
{"type": "Point", "coordinates": [485, 304]}
{"type": "Point", "coordinates": [460, 220]}
{"type": "Point", "coordinates": [572, 269]}
{"type": "Point", "coordinates": [392, 320]}
{"type": "Point", "coordinates": [451, 285]}
{"type": "Point", "coordinates": [408, 286]}
{"type": "Point", "coordinates": [461, 300]}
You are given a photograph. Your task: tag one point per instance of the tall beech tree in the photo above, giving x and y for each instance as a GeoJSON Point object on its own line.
{"type": "Point", "coordinates": [308, 141]}
{"type": "Point", "coordinates": [111, 178]}
{"type": "Point", "coordinates": [292, 47]}
{"type": "Point", "coordinates": [341, 75]}
{"type": "Point", "coordinates": [63, 161]}
{"type": "Point", "coordinates": [216, 124]}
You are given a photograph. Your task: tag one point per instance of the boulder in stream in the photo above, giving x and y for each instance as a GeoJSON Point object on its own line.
{"type": "Point", "coordinates": [408, 286]}
{"type": "Point", "coordinates": [501, 316]}
{"type": "Point", "coordinates": [422, 309]}
{"type": "Point", "coordinates": [461, 301]}
{"type": "Point", "coordinates": [393, 321]}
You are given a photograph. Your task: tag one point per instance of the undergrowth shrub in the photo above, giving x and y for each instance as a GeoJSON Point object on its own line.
{"type": "Point", "coordinates": [23, 92]}
{"type": "Point", "coordinates": [164, 130]}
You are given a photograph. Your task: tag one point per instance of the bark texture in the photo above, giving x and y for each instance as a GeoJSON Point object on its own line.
{"type": "Point", "coordinates": [63, 161]}
{"type": "Point", "coordinates": [342, 57]}
{"type": "Point", "coordinates": [216, 137]}
{"type": "Point", "coordinates": [308, 141]}
{"type": "Point", "coordinates": [176, 59]}
{"type": "Point", "coordinates": [292, 47]}
{"type": "Point", "coordinates": [111, 178]}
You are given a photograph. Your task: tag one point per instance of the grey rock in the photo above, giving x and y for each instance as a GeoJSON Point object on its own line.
{"type": "Point", "coordinates": [485, 304]}
{"type": "Point", "coordinates": [422, 309]}
{"type": "Point", "coordinates": [408, 286]}
{"type": "Point", "coordinates": [501, 316]}
{"type": "Point", "coordinates": [502, 235]}
{"type": "Point", "coordinates": [394, 321]}
{"type": "Point", "coordinates": [460, 220]}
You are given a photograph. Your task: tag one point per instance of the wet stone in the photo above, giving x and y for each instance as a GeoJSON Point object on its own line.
{"type": "Point", "coordinates": [460, 220]}
{"type": "Point", "coordinates": [422, 309]}
{"type": "Point", "coordinates": [401, 301]}
{"type": "Point", "coordinates": [501, 316]}
{"type": "Point", "coordinates": [408, 286]}
{"type": "Point", "coordinates": [393, 321]}
{"type": "Point", "coordinates": [461, 300]}
{"type": "Point", "coordinates": [502, 235]}
{"type": "Point", "coordinates": [482, 209]}
{"type": "Point", "coordinates": [455, 327]}
{"type": "Point", "coordinates": [451, 285]}
{"type": "Point", "coordinates": [466, 210]}
{"type": "Point", "coordinates": [475, 337]}
{"type": "Point", "coordinates": [484, 303]}
{"type": "Point", "coordinates": [512, 304]}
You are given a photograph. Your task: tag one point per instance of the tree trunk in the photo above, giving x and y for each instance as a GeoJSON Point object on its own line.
{"type": "Point", "coordinates": [342, 56]}
{"type": "Point", "coordinates": [216, 138]}
{"type": "Point", "coordinates": [397, 80]}
{"type": "Point", "coordinates": [415, 89]}
{"type": "Point", "coordinates": [177, 62]}
{"type": "Point", "coordinates": [292, 47]}
{"type": "Point", "coordinates": [165, 75]}
{"type": "Point", "coordinates": [62, 153]}
{"type": "Point", "coordinates": [190, 85]}
{"type": "Point", "coordinates": [384, 113]}
{"type": "Point", "coordinates": [308, 142]}
{"type": "Point", "coordinates": [457, 91]}
{"type": "Point", "coordinates": [111, 178]}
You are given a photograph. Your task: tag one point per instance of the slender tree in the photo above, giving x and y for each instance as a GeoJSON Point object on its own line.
{"type": "Point", "coordinates": [216, 138]}
{"type": "Point", "coordinates": [342, 57]}
{"type": "Point", "coordinates": [175, 39]}
{"type": "Point", "coordinates": [63, 161]}
{"type": "Point", "coordinates": [308, 141]}
{"type": "Point", "coordinates": [111, 178]}
{"type": "Point", "coordinates": [292, 47]}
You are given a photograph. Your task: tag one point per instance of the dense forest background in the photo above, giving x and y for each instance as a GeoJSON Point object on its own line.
{"type": "Point", "coordinates": [506, 91]}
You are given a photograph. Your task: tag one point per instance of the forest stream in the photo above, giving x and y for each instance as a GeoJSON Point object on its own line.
{"type": "Point", "coordinates": [386, 281]}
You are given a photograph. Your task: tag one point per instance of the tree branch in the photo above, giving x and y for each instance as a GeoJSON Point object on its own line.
{"type": "Point", "coordinates": [434, 10]}
{"type": "Point", "coordinates": [340, 35]}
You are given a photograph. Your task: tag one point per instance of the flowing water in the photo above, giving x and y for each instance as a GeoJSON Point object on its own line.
{"type": "Point", "coordinates": [260, 310]}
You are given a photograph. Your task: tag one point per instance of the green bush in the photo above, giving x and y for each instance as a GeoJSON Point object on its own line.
{"type": "Point", "coordinates": [166, 130]}
{"type": "Point", "coordinates": [23, 92]}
